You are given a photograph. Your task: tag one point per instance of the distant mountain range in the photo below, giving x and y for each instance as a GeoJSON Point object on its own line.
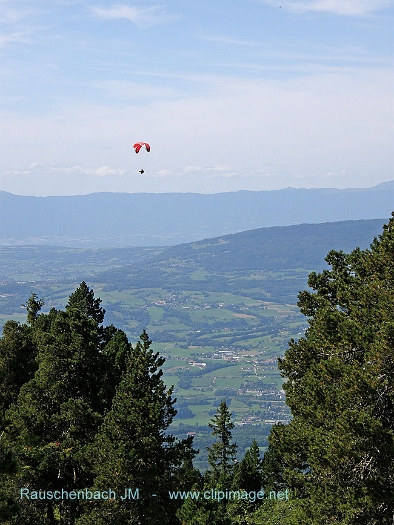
{"type": "Point", "coordinates": [164, 219]}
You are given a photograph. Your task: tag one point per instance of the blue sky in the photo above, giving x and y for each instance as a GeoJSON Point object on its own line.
{"type": "Point", "coordinates": [231, 95]}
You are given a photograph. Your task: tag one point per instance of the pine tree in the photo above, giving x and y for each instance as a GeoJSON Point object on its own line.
{"type": "Point", "coordinates": [272, 469]}
{"type": "Point", "coordinates": [221, 458]}
{"type": "Point", "coordinates": [33, 307]}
{"type": "Point", "coordinates": [133, 450]}
{"type": "Point", "coordinates": [339, 448]}
{"type": "Point", "coordinates": [248, 472]}
{"type": "Point", "coordinates": [55, 416]}
{"type": "Point", "coordinates": [222, 453]}
{"type": "Point", "coordinates": [83, 300]}
{"type": "Point", "coordinates": [17, 361]}
{"type": "Point", "coordinates": [247, 478]}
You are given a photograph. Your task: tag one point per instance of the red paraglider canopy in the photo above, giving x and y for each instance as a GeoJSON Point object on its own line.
{"type": "Point", "coordinates": [138, 145]}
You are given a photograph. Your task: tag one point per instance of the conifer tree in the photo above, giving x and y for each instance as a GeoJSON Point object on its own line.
{"type": "Point", "coordinates": [83, 300]}
{"type": "Point", "coordinates": [247, 478]}
{"type": "Point", "coordinates": [8, 468]}
{"type": "Point", "coordinates": [222, 453]}
{"type": "Point", "coordinates": [133, 450]}
{"type": "Point", "coordinates": [221, 458]}
{"type": "Point", "coordinates": [248, 472]}
{"type": "Point", "coordinates": [17, 361]}
{"type": "Point", "coordinates": [338, 450]}
{"type": "Point", "coordinates": [272, 468]}
{"type": "Point", "coordinates": [33, 306]}
{"type": "Point", "coordinates": [55, 416]}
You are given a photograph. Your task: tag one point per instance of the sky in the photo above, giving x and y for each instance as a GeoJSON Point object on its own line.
{"type": "Point", "coordinates": [231, 95]}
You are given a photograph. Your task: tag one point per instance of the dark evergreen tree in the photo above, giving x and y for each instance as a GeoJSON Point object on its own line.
{"type": "Point", "coordinates": [33, 306]}
{"type": "Point", "coordinates": [248, 472]}
{"type": "Point", "coordinates": [133, 450]}
{"type": "Point", "coordinates": [222, 453]}
{"type": "Point", "coordinates": [202, 511]}
{"type": "Point", "coordinates": [17, 361]}
{"type": "Point", "coordinates": [339, 448]}
{"type": "Point", "coordinates": [219, 477]}
{"type": "Point", "coordinates": [247, 478]}
{"type": "Point", "coordinates": [272, 469]}
{"type": "Point", "coordinates": [83, 301]}
{"type": "Point", "coordinates": [55, 417]}
{"type": "Point", "coordinates": [8, 469]}
{"type": "Point", "coordinates": [279, 512]}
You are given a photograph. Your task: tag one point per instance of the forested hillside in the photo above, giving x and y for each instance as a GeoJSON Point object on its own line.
{"type": "Point", "coordinates": [85, 417]}
{"type": "Point", "coordinates": [275, 248]}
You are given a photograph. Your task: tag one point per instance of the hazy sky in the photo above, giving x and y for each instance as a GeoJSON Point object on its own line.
{"type": "Point", "coordinates": [231, 95]}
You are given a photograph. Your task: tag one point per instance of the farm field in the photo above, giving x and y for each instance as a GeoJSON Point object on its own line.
{"type": "Point", "coordinates": [220, 334]}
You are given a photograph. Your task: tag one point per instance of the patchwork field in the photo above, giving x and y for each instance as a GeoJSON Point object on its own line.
{"type": "Point", "coordinates": [220, 311]}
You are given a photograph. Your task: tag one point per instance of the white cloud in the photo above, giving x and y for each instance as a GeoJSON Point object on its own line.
{"type": "Point", "coordinates": [148, 16]}
{"type": "Point", "coordinates": [11, 15]}
{"type": "Point", "coordinates": [255, 134]}
{"type": "Point", "coordinates": [207, 174]}
{"type": "Point", "coordinates": [338, 7]}
{"type": "Point", "coordinates": [106, 171]}
{"type": "Point", "coordinates": [36, 169]}
{"type": "Point", "coordinates": [18, 36]}
{"type": "Point", "coordinates": [13, 25]}
{"type": "Point", "coordinates": [211, 171]}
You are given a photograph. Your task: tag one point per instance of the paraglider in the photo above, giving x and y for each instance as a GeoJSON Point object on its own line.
{"type": "Point", "coordinates": [137, 146]}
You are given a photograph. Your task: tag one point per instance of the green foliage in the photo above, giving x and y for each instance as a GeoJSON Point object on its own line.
{"type": "Point", "coordinates": [221, 500]}
{"type": "Point", "coordinates": [83, 300]}
{"type": "Point", "coordinates": [272, 469]}
{"type": "Point", "coordinates": [8, 469]}
{"type": "Point", "coordinates": [339, 448]}
{"type": "Point", "coordinates": [57, 412]}
{"type": "Point", "coordinates": [17, 361]}
{"type": "Point", "coordinates": [222, 453]}
{"type": "Point", "coordinates": [82, 388]}
{"type": "Point", "coordinates": [132, 448]}
{"type": "Point", "coordinates": [248, 473]}
{"type": "Point", "coordinates": [33, 306]}
{"type": "Point", "coordinates": [275, 512]}
{"type": "Point", "coordinates": [81, 408]}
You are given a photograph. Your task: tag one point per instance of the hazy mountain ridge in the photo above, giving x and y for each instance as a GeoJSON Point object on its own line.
{"type": "Point", "coordinates": [162, 219]}
{"type": "Point", "coordinates": [212, 264]}
{"type": "Point", "coordinates": [274, 248]}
